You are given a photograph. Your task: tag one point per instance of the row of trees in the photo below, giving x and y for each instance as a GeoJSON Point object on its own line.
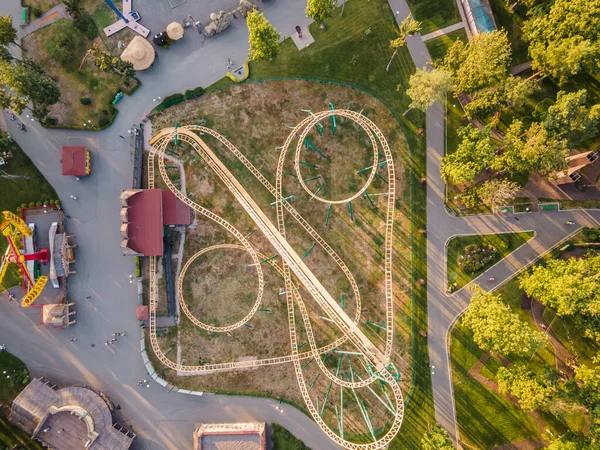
{"type": "Point", "coordinates": [24, 82]}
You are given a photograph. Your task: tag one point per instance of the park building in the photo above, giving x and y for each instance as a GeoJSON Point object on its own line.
{"type": "Point", "coordinates": [144, 214]}
{"type": "Point", "coordinates": [230, 436]}
{"type": "Point", "coordinates": [69, 418]}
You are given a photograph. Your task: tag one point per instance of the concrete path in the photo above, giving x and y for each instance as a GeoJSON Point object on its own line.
{"type": "Point", "coordinates": [162, 420]}
{"type": "Point", "coordinates": [443, 31]}
{"type": "Point", "coordinates": [444, 309]}
{"type": "Point", "coordinates": [515, 70]}
{"type": "Point", "coordinates": [48, 18]}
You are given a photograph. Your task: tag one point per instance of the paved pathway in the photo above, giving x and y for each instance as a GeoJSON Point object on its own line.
{"type": "Point", "coordinates": [48, 18]}
{"type": "Point", "coordinates": [444, 309]}
{"type": "Point", "coordinates": [443, 31]}
{"type": "Point", "coordinates": [162, 420]}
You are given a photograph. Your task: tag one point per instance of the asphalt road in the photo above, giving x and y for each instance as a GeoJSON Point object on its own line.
{"type": "Point", "coordinates": [161, 419]}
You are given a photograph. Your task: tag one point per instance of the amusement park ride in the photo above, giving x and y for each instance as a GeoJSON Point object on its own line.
{"type": "Point", "coordinates": [19, 234]}
{"type": "Point", "coordinates": [13, 228]}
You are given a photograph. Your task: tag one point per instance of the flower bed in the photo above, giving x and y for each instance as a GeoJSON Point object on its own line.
{"type": "Point", "coordinates": [475, 257]}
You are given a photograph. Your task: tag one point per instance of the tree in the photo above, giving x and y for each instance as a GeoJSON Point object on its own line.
{"type": "Point", "coordinates": [497, 329]}
{"type": "Point", "coordinates": [436, 438]}
{"type": "Point", "coordinates": [510, 93]}
{"type": "Point", "coordinates": [571, 287]}
{"type": "Point", "coordinates": [474, 153]}
{"type": "Point", "coordinates": [589, 378]}
{"type": "Point", "coordinates": [108, 63]}
{"type": "Point", "coordinates": [481, 63]}
{"type": "Point", "coordinates": [521, 383]}
{"type": "Point", "coordinates": [8, 34]}
{"type": "Point", "coordinates": [61, 42]}
{"type": "Point", "coordinates": [27, 82]}
{"type": "Point", "coordinates": [72, 7]}
{"type": "Point", "coordinates": [320, 9]}
{"type": "Point", "coordinates": [427, 87]}
{"type": "Point", "coordinates": [534, 149]}
{"type": "Point", "coordinates": [263, 39]}
{"type": "Point", "coordinates": [570, 118]}
{"type": "Point", "coordinates": [408, 27]}
{"type": "Point", "coordinates": [564, 40]}
{"type": "Point", "coordinates": [497, 192]}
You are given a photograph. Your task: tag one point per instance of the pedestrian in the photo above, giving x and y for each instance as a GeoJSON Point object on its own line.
{"type": "Point", "coordinates": [229, 63]}
{"type": "Point", "coordinates": [74, 198]}
{"type": "Point", "coordinates": [517, 219]}
{"type": "Point", "coordinates": [2, 347]}
{"type": "Point", "coordinates": [73, 339]}
{"type": "Point", "coordinates": [107, 342]}
{"type": "Point", "coordinates": [68, 217]}
{"type": "Point", "coordinates": [88, 297]}
{"type": "Point", "coordinates": [112, 341]}
{"type": "Point", "coordinates": [121, 137]}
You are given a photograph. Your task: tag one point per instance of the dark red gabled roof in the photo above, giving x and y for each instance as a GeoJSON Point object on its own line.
{"type": "Point", "coordinates": [175, 212]}
{"type": "Point", "coordinates": [74, 161]}
{"type": "Point", "coordinates": [144, 228]}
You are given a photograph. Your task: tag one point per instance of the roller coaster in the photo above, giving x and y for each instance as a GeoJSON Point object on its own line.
{"type": "Point", "coordinates": [376, 362]}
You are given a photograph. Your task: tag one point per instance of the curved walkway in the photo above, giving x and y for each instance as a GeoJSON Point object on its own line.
{"type": "Point", "coordinates": [444, 309]}
{"type": "Point", "coordinates": [162, 420]}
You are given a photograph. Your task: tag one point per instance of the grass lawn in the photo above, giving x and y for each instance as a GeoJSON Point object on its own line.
{"type": "Point", "coordinates": [434, 14]}
{"type": "Point", "coordinates": [74, 84]}
{"type": "Point", "coordinates": [504, 243]}
{"type": "Point", "coordinates": [343, 53]}
{"type": "Point", "coordinates": [485, 419]}
{"type": "Point", "coordinates": [42, 5]}
{"type": "Point", "coordinates": [284, 440]}
{"type": "Point", "coordinates": [439, 46]}
{"type": "Point", "coordinates": [10, 435]}
{"type": "Point", "coordinates": [18, 191]}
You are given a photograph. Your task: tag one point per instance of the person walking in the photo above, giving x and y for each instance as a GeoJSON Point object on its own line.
{"type": "Point", "coordinates": [229, 63]}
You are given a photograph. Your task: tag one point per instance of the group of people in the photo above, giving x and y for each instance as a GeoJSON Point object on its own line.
{"type": "Point", "coordinates": [114, 338]}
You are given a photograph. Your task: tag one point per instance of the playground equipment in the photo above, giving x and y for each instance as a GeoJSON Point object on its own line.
{"type": "Point", "coordinates": [379, 368]}
{"type": "Point", "coordinates": [220, 21]}
{"type": "Point", "coordinates": [13, 228]}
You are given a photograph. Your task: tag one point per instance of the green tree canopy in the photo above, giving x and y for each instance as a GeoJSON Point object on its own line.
{"type": "Point", "coordinates": [534, 149]}
{"type": "Point", "coordinates": [436, 438]}
{"type": "Point", "coordinates": [497, 329]}
{"type": "Point", "coordinates": [8, 34]}
{"type": "Point", "coordinates": [263, 39]}
{"type": "Point", "coordinates": [563, 40]}
{"type": "Point", "coordinates": [497, 192]}
{"type": "Point", "coordinates": [523, 384]}
{"type": "Point", "coordinates": [571, 287]}
{"type": "Point", "coordinates": [481, 63]}
{"type": "Point", "coordinates": [62, 41]}
{"type": "Point", "coordinates": [320, 9]}
{"type": "Point", "coordinates": [28, 82]}
{"type": "Point", "coordinates": [474, 153]}
{"type": "Point", "coordinates": [570, 118]}
{"type": "Point", "coordinates": [427, 87]}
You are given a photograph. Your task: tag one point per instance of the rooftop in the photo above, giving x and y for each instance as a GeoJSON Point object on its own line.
{"type": "Point", "coordinates": [74, 161]}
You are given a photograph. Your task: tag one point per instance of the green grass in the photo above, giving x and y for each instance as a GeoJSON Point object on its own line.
{"type": "Point", "coordinates": [504, 243]}
{"type": "Point", "coordinates": [434, 14]}
{"type": "Point", "coordinates": [18, 191]}
{"type": "Point", "coordinates": [284, 440]}
{"type": "Point", "coordinates": [103, 15]}
{"type": "Point", "coordinates": [485, 419]}
{"type": "Point", "coordinates": [343, 53]}
{"type": "Point", "coordinates": [439, 46]}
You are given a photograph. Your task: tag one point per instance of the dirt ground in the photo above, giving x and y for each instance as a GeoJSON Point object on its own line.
{"type": "Point", "coordinates": [254, 118]}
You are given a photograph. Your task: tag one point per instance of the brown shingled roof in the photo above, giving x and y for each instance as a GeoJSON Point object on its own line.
{"type": "Point", "coordinates": [74, 161]}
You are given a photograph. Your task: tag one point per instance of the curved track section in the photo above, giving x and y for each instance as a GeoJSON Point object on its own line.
{"type": "Point", "coordinates": [291, 264]}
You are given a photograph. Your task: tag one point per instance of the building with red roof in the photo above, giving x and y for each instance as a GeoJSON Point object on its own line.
{"type": "Point", "coordinates": [144, 212]}
{"type": "Point", "coordinates": [75, 161]}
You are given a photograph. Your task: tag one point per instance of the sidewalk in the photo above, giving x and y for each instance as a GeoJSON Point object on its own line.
{"type": "Point", "coordinates": [443, 31]}
{"type": "Point", "coordinates": [48, 18]}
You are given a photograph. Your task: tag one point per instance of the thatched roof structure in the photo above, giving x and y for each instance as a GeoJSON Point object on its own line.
{"type": "Point", "coordinates": [139, 52]}
{"type": "Point", "coordinates": [44, 411]}
{"type": "Point", "coordinates": [175, 31]}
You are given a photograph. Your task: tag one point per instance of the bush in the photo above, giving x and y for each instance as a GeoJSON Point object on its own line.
{"type": "Point", "coordinates": [105, 112]}
{"type": "Point", "coordinates": [38, 203]}
{"type": "Point", "coordinates": [85, 100]}
{"type": "Point", "coordinates": [57, 202]}
{"type": "Point", "coordinates": [193, 93]}
{"type": "Point", "coordinates": [86, 25]}
{"type": "Point", "coordinates": [50, 121]}
{"type": "Point", "coordinates": [475, 257]}
{"type": "Point", "coordinates": [591, 234]}
{"type": "Point", "coordinates": [36, 12]}
{"type": "Point", "coordinates": [52, 202]}
{"type": "Point", "coordinates": [23, 205]}
{"type": "Point", "coordinates": [31, 204]}
{"type": "Point", "coordinates": [103, 121]}
{"type": "Point", "coordinates": [61, 42]}
{"type": "Point", "coordinates": [170, 101]}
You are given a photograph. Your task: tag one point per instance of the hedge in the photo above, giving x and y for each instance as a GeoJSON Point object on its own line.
{"type": "Point", "coordinates": [175, 99]}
